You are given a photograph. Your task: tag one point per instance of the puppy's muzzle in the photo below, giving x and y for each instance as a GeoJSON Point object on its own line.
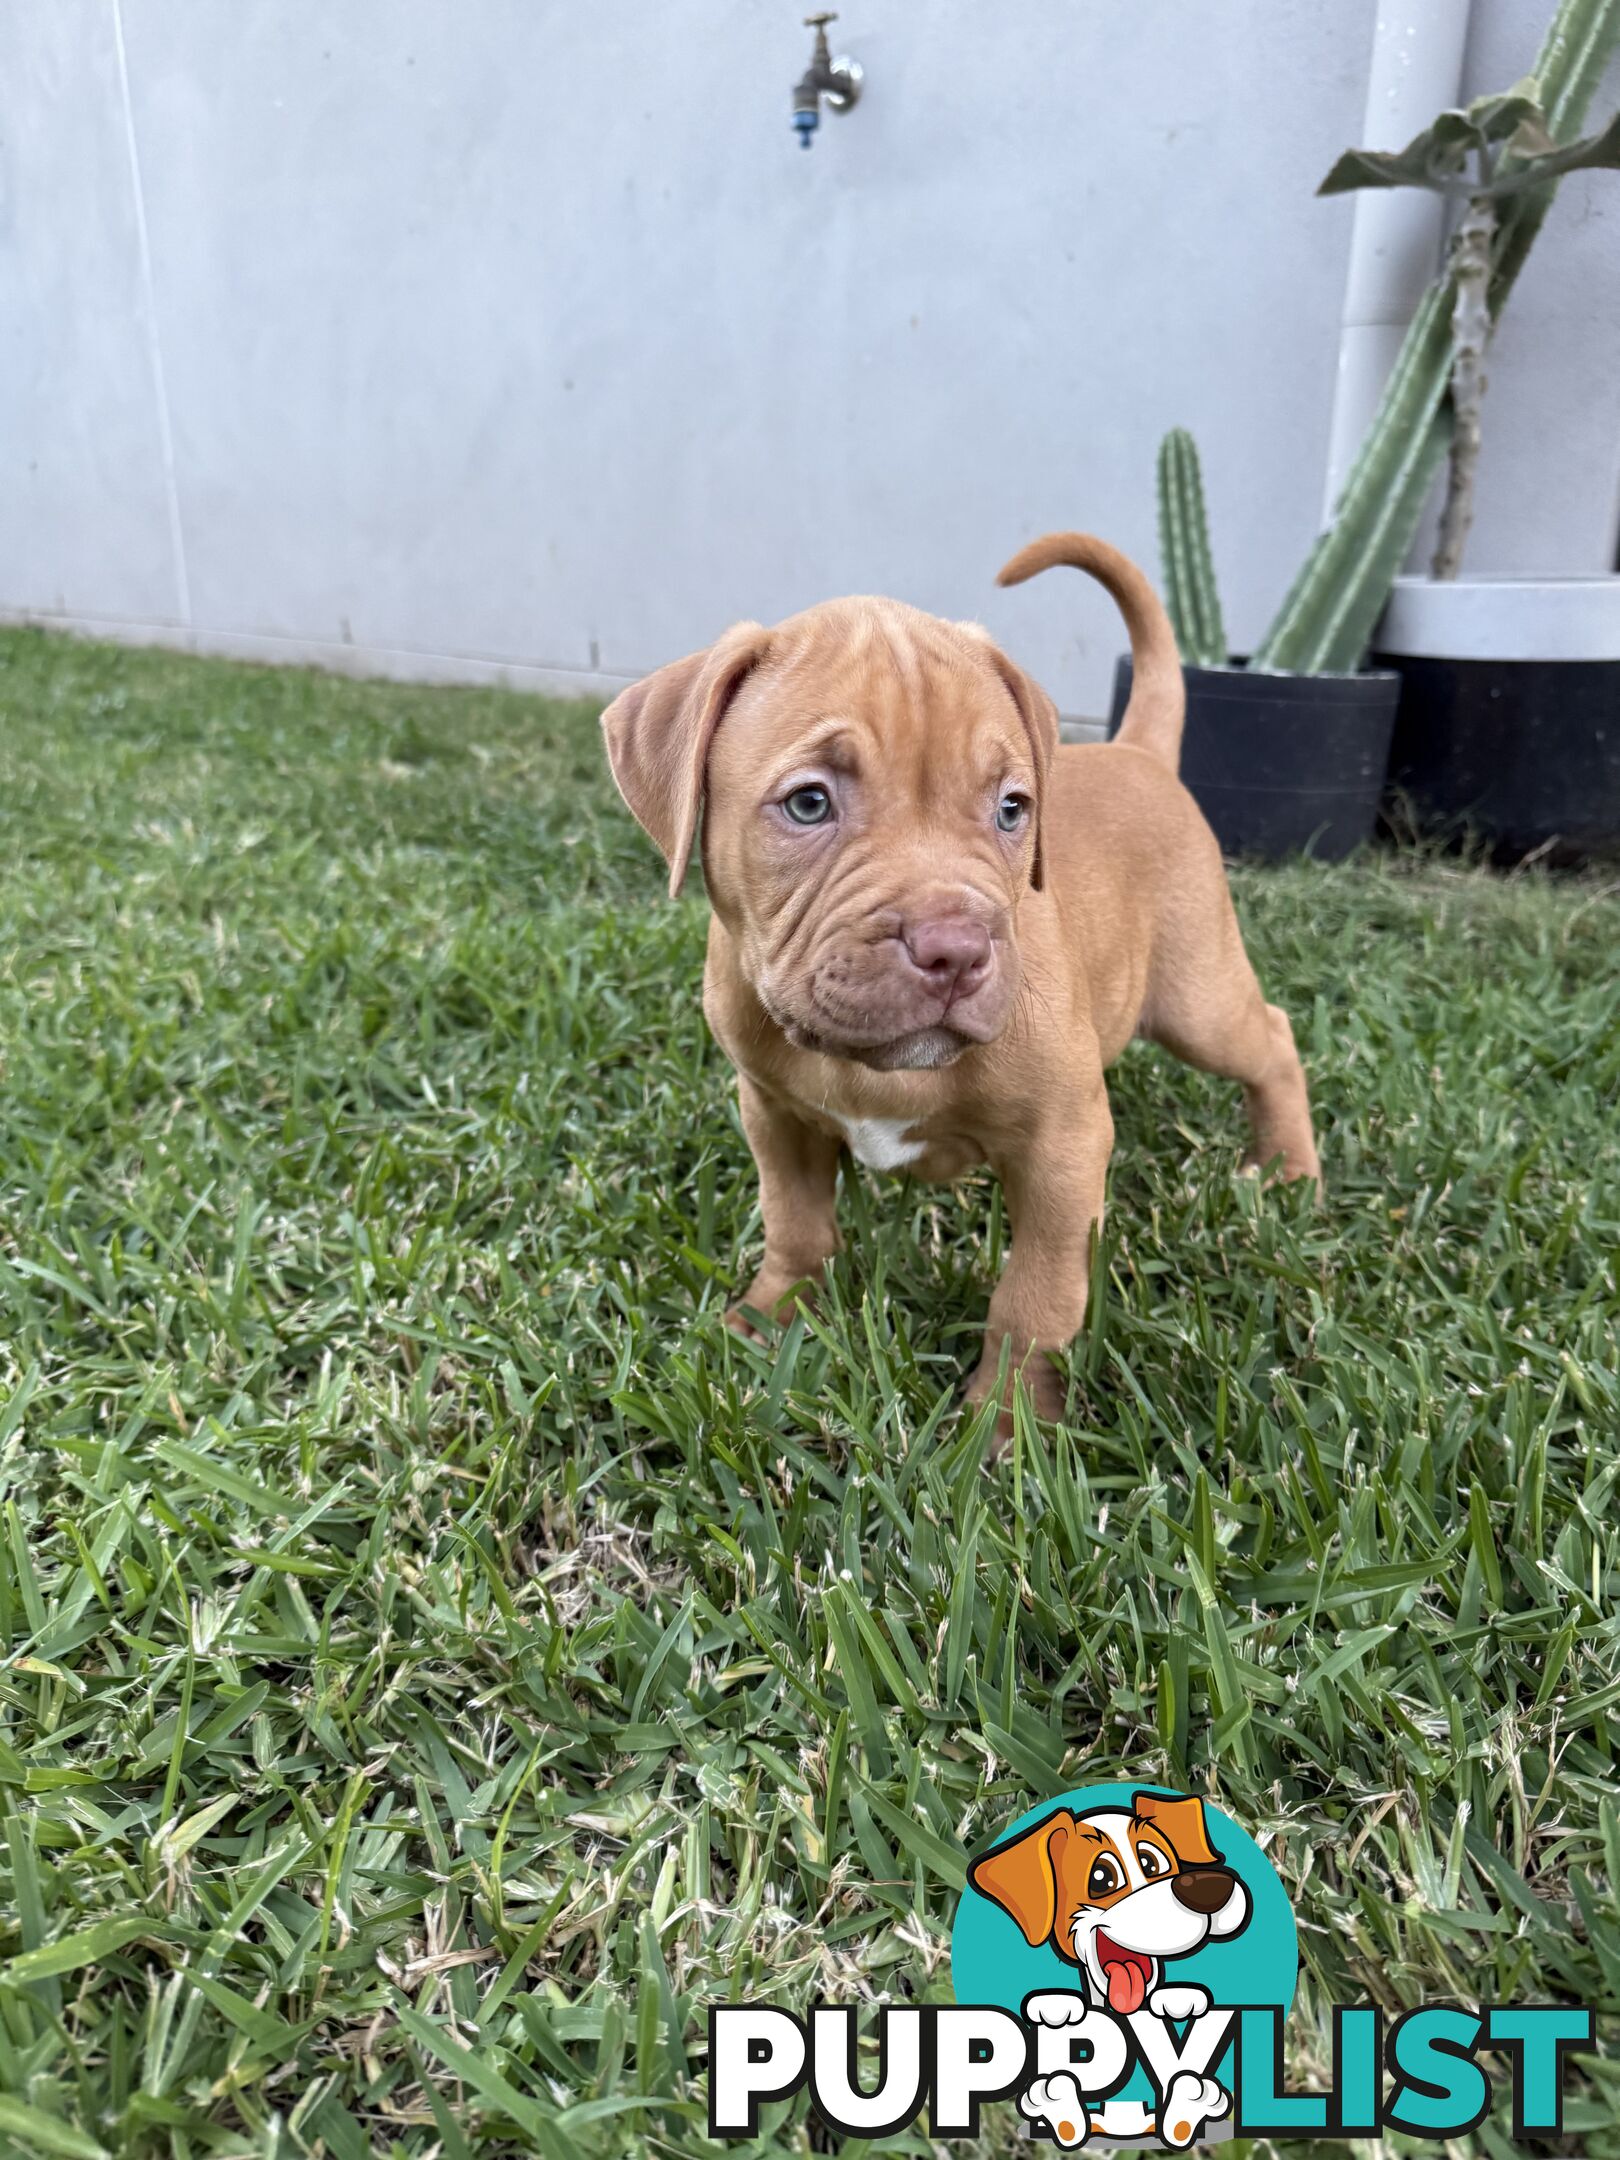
{"type": "Point", "coordinates": [952, 954]}
{"type": "Point", "coordinates": [897, 987]}
{"type": "Point", "coordinates": [1203, 1890]}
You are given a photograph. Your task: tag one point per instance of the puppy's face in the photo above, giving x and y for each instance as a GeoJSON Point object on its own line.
{"type": "Point", "coordinates": [1117, 1891]}
{"type": "Point", "coordinates": [873, 779]}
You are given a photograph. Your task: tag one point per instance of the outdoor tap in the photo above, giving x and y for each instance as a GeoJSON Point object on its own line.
{"type": "Point", "coordinates": [838, 81]}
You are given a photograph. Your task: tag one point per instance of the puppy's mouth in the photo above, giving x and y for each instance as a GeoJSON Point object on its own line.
{"type": "Point", "coordinates": [1126, 1973]}
{"type": "Point", "coordinates": [923, 1050]}
{"type": "Point", "coordinates": [857, 1002]}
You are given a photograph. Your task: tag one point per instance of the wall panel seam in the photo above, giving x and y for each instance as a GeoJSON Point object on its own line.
{"type": "Point", "coordinates": [154, 340]}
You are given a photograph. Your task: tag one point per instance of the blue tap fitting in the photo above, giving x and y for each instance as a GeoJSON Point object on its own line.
{"type": "Point", "coordinates": [806, 123]}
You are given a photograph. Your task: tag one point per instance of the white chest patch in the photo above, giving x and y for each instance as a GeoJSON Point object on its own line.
{"type": "Point", "coordinates": [880, 1142]}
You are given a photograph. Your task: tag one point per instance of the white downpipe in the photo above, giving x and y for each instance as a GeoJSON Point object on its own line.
{"type": "Point", "coordinates": [1417, 63]}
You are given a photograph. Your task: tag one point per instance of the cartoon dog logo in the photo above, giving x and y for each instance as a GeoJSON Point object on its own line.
{"type": "Point", "coordinates": [1119, 1892]}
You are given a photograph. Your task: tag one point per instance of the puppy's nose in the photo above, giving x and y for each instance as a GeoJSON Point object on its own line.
{"type": "Point", "coordinates": [953, 951]}
{"type": "Point", "coordinates": [1203, 1890]}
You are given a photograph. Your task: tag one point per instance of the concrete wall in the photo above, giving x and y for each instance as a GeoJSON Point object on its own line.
{"type": "Point", "coordinates": [521, 336]}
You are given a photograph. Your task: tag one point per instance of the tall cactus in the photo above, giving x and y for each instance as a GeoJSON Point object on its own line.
{"type": "Point", "coordinates": [1189, 567]}
{"type": "Point", "coordinates": [1328, 617]}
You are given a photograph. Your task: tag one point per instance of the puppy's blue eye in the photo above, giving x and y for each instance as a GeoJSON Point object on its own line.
{"type": "Point", "coordinates": [808, 805]}
{"type": "Point", "coordinates": [1011, 812]}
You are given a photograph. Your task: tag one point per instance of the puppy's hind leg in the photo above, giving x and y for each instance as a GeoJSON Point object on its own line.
{"type": "Point", "coordinates": [1204, 1005]}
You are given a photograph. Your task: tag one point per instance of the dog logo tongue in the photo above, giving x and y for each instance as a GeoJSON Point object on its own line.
{"type": "Point", "coordinates": [1126, 1974]}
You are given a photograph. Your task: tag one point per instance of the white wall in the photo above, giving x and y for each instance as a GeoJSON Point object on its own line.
{"type": "Point", "coordinates": [525, 335]}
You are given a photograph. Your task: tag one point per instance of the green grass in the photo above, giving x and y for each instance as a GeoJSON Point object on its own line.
{"type": "Point", "coordinates": [443, 1659]}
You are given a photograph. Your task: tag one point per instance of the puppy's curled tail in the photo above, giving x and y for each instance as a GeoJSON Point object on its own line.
{"type": "Point", "coordinates": [1158, 704]}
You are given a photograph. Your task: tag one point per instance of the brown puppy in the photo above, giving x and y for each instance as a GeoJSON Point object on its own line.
{"type": "Point", "coordinates": [933, 928]}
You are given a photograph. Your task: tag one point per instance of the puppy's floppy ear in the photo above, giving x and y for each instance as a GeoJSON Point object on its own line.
{"type": "Point", "coordinates": [1182, 1822]}
{"type": "Point", "coordinates": [1040, 718]}
{"type": "Point", "coordinates": [658, 734]}
{"type": "Point", "coordinates": [1022, 1877]}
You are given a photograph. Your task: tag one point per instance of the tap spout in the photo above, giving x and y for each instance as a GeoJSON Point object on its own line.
{"type": "Point", "coordinates": [838, 81]}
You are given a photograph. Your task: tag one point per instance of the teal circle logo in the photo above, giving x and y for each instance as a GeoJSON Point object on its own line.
{"type": "Point", "coordinates": [1110, 1917]}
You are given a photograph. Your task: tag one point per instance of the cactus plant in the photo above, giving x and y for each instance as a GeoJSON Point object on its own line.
{"type": "Point", "coordinates": [1189, 568]}
{"type": "Point", "coordinates": [1520, 145]}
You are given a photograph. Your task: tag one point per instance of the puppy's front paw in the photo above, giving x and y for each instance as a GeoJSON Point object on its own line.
{"type": "Point", "coordinates": [1059, 2006]}
{"type": "Point", "coordinates": [1048, 1393]}
{"type": "Point", "coordinates": [1190, 2103]}
{"type": "Point", "coordinates": [1056, 2102]}
{"type": "Point", "coordinates": [770, 1296]}
{"type": "Point", "coordinates": [1179, 2002]}
{"type": "Point", "coordinates": [1285, 1167]}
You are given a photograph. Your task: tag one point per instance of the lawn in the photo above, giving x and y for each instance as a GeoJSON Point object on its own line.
{"type": "Point", "coordinates": [443, 1659]}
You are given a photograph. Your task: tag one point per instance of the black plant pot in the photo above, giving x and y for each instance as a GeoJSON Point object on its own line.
{"type": "Point", "coordinates": [1283, 764]}
{"type": "Point", "coordinates": [1509, 717]}
{"type": "Point", "coordinates": [1523, 753]}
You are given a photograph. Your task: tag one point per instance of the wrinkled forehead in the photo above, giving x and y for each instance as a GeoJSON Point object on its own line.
{"type": "Point", "coordinates": [873, 685]}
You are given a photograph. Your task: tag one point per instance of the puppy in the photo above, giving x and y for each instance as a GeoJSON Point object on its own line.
{"type": "Point", "coordinates": [1116, 1892]}
{"type": "Point", "coordinates": [933, 928]}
